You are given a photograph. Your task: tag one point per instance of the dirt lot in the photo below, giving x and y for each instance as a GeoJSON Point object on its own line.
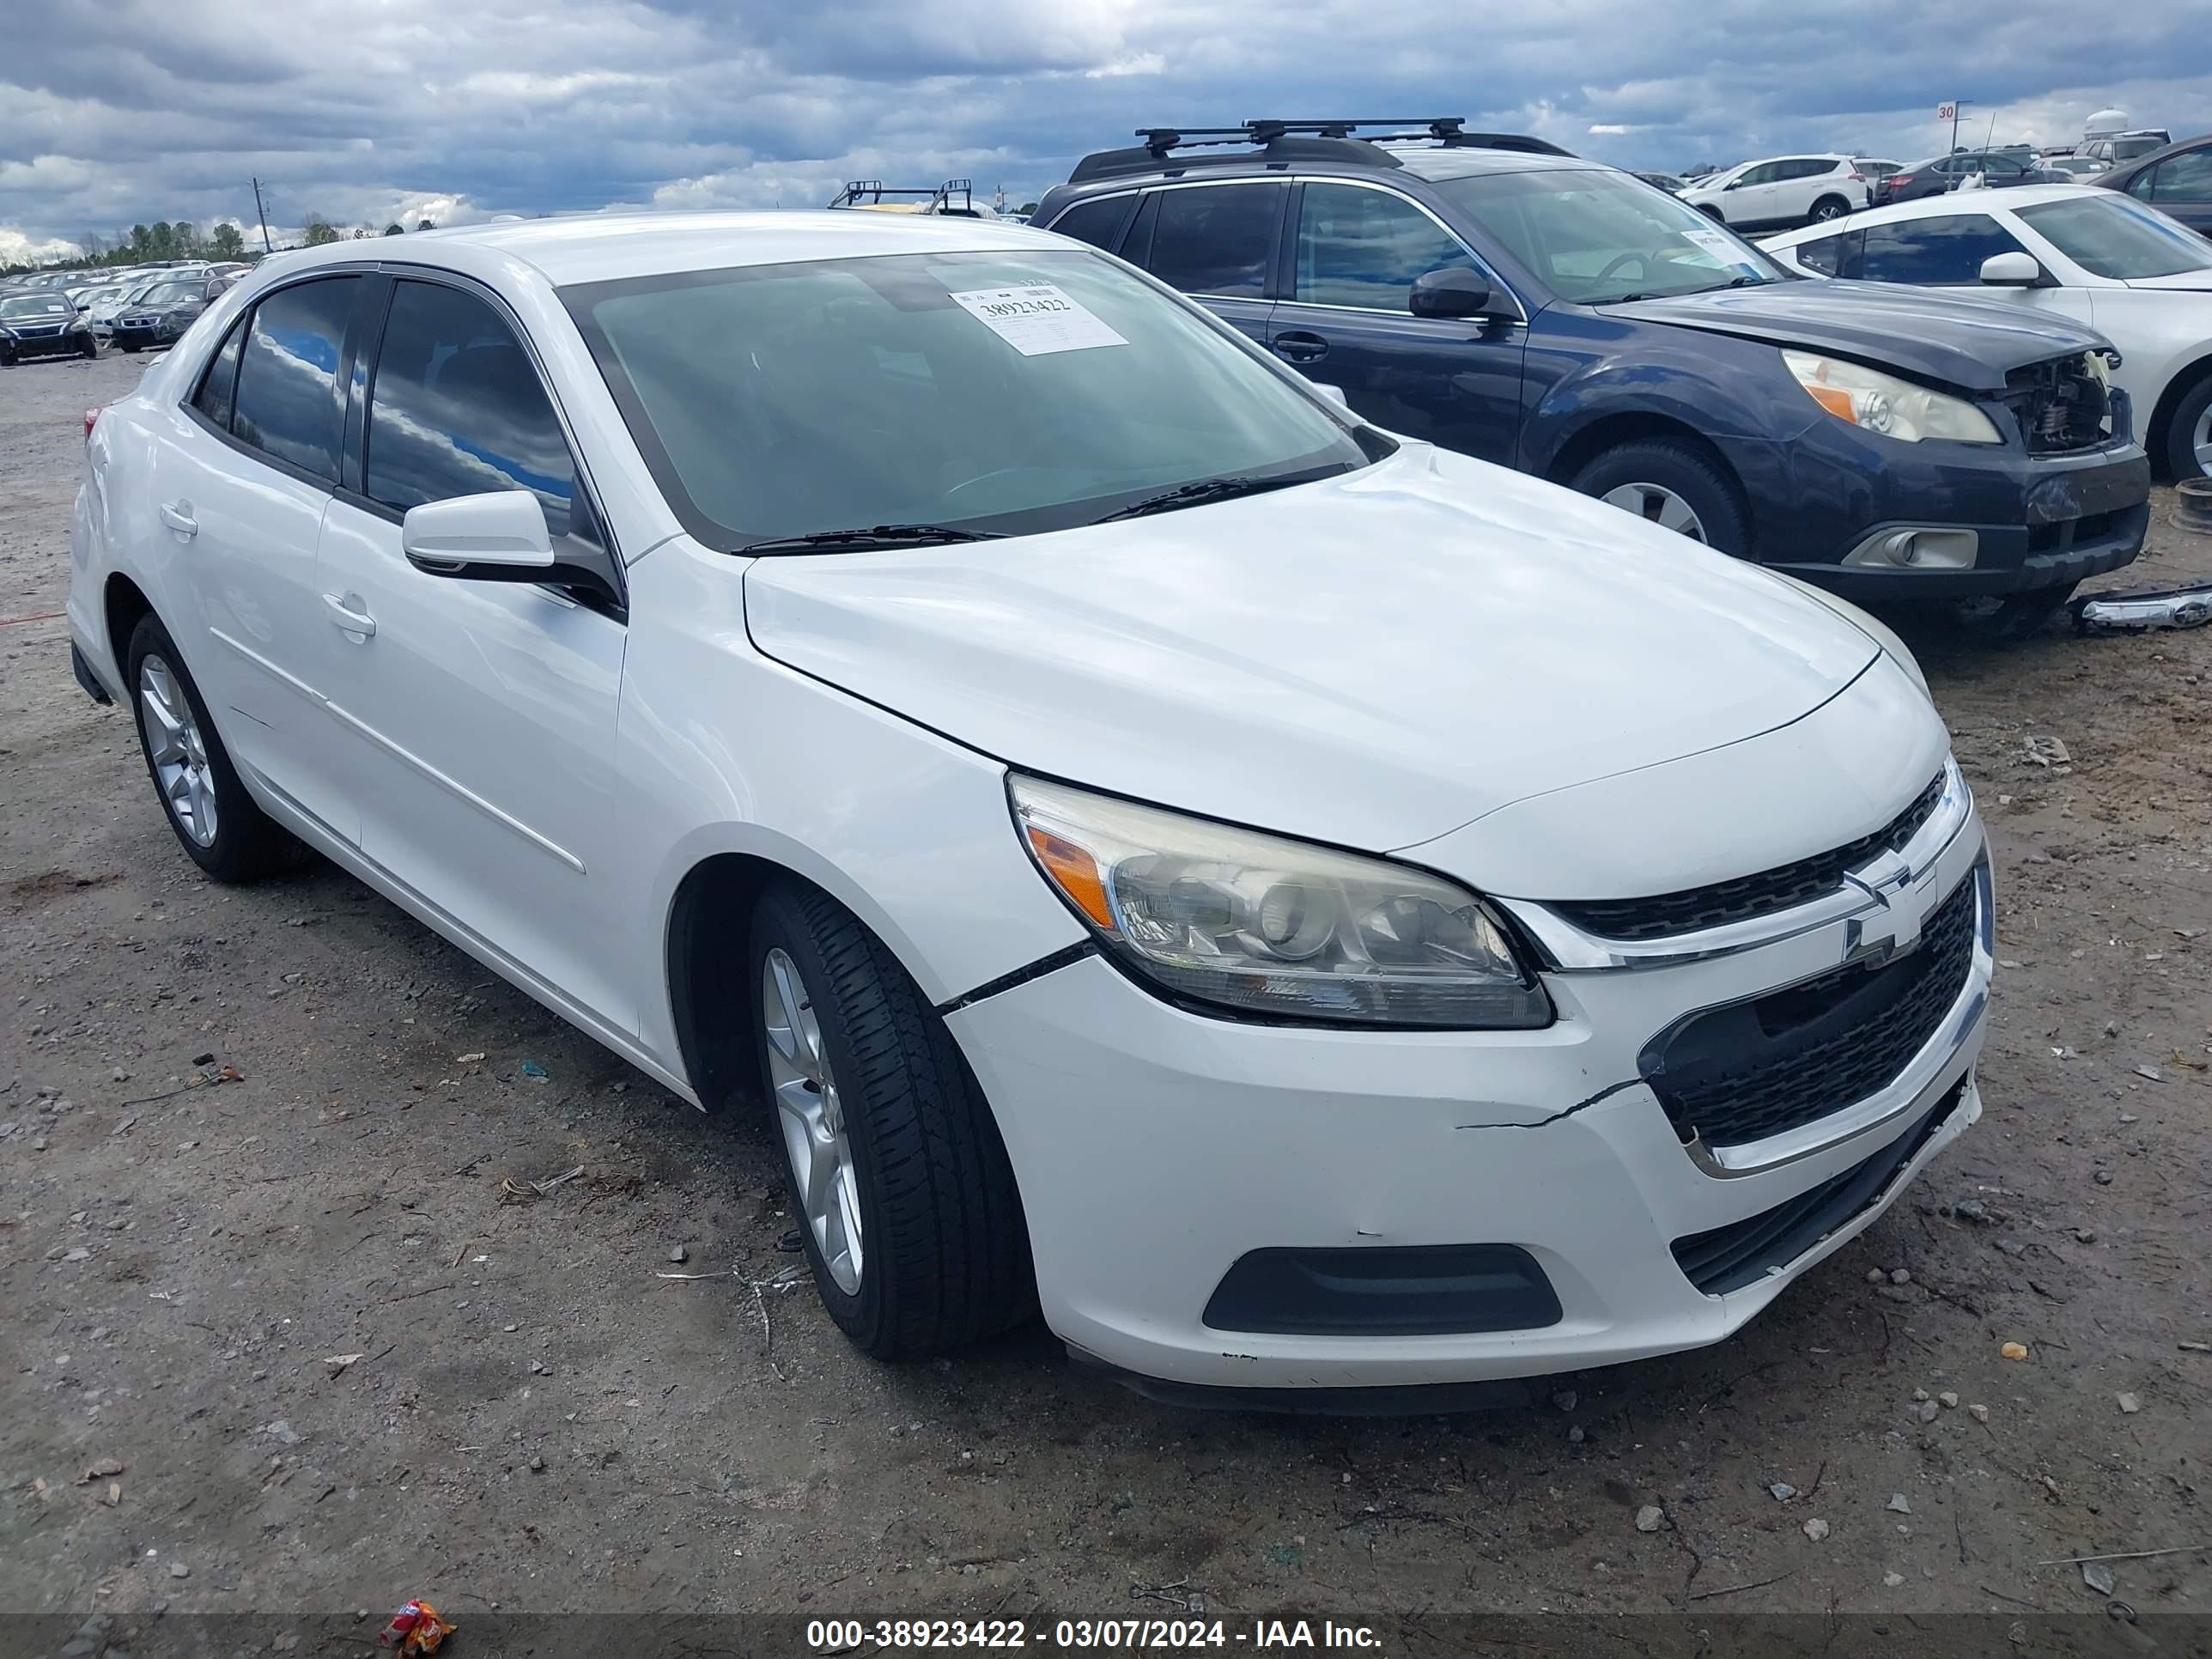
{"type": "Point", "coordinates": [537, 1423]}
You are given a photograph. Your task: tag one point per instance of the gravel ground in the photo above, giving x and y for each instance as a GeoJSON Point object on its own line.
{"type": "Point", "coordinates": [537, 1422]}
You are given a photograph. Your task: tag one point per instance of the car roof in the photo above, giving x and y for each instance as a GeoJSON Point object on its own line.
{"type": "Point", "coordinates": [594, 247]}
{"type": "Point", "coordinates": [1940, 207]}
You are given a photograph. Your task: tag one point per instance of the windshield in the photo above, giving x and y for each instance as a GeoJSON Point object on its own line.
{"type": "Point", "coordinates": [170, 294]}
{"type": "Point", "coordinates": [2111, 235]}
{"type": "Point", "coordinates": [1007, 392]}
{"type": "Point", "coordinates": [1597, 238]}
{"type": "Point", "coordinates": [34, 304]}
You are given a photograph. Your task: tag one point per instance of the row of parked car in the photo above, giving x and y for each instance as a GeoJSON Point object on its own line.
{"type": "Point", "coordinates": [73, 313]}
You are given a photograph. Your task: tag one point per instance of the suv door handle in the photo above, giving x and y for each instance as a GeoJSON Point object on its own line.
{"type": "Point", "coordinates": [343, 616]}
{"type": "Point", "coordinates": [178, 515]}
{"type": "Point", "coordinates": [1297, 346]}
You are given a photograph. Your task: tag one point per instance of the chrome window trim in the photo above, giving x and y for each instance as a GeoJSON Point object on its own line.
{"type": "Point", "coordinates": [1572, 949]}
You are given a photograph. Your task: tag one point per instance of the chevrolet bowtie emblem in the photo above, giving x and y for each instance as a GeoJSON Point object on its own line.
{"type": "Point", "coordinates": [1886, 932]}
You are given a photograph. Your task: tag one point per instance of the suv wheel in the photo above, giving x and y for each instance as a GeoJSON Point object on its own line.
{"type": "Point", "coordinates": [906, 1202]}
{"type": "Point", "coordinates": [1671, 485]}
{"type": "Point", "coordinates": [1827, 208]}
{"type": "Point", "coordinates": [2188, 437]}
{"type": "Point", "coordinates": [216, 821]}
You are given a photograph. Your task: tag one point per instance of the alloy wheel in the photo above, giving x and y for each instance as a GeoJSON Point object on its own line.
{"type": "Point", "coordinates": [1658, 505]}
{"type": "Point", "coordinates": [811, 1115]}
{"type": "Point", "coordinates": [2200, 441]}
{"type": "Point", "coordinates": [178, 751]}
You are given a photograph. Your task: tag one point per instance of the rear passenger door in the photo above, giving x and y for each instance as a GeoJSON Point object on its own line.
{"type": "Point", "coordinates": [240, 479]}
{"type": "Point", "coordinates": [1215, 242]}
{"type": "Point", "coordinates": [1356, 251]}
{"type": "Point", "coordinates": [488, 706]}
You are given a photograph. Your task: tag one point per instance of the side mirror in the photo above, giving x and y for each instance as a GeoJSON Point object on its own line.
{"type": "Point", "coordinates": [2012, 270]}
{"type": "Point", "coordinates": [500, 536]}
{"type": "Point", "coordinates": [1455, 291]}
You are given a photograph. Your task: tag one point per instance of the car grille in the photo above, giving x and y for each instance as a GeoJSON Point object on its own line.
{"type": "Point", "coordinates": [1746, 897]}
{"type": "Point", "coordinates": [1777, 1062]}
{"type": "Point", "coordinates": [2060, 405]}
{"type": "Point", "coordinates": [1744, 1252]}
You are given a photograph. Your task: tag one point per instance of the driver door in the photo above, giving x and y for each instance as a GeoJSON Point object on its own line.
{"type": "Point", "coordinates": [1356, 251]}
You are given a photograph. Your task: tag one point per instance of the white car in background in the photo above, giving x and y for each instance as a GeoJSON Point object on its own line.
{"type": "Point", "coordinates": [2099, 256]}
{"type": "Point", "coordinates": [1784, 190]}
{"type": "Point", "coordinates": [923, 681]}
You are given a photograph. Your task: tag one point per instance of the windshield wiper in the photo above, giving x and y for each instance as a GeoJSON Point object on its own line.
{"type": "Point", "coordinates": [1205, 490]}
{"type": "Point", "coordinates": [883, 535]}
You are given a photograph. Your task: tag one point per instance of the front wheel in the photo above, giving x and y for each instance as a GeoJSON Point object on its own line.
{"type": "Point", "coordinates": [130, 347]}
{"type": "Point", "coordinates": [216, 821]}
{"type": "Point", "coordinates": [2188, 434]}
{"type": "Point", "coordinates": [90, 349]}
{"type": "Point", "coordinates": [1672, 485]}
{"type": "Point", "coordinates": [907, 1205]}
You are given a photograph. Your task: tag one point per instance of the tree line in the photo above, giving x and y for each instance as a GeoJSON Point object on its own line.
{"type": "Point", "coordinates": [180, 239]}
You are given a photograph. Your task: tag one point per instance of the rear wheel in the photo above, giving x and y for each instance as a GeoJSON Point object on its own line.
{"type": "Point", "coordinates": [2189, 434]}
{"type": "Point", "coordinates": [216, 821]}
{"type": "Point", "coordinates": [906, 1201]}
{"type": "Point", "coordinates": [1827, 208]}
{"type": "Point", "coordinates": [1673, 486]}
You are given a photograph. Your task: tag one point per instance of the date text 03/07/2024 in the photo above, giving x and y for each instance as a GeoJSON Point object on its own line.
{"type": "Point", "coordinates": [837, 1635]}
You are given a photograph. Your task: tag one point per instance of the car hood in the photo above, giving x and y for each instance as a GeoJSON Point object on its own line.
{"type": "Point", "coordinates": [1372, 660]}
{"type": "Point", "coordinates": [1967, 343]}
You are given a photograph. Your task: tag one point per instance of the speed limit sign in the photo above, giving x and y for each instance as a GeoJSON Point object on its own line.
{"type": "Point", "coordinates": [1947, 112]}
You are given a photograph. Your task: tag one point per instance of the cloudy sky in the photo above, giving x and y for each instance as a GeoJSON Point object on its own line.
{"type": "Point", "coordinates": [113, 111]}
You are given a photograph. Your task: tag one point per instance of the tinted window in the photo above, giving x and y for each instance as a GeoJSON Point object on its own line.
{"type": "Point", "coordinates": [1099, 223]}
{"type": "Point", "coordinates": [1825, 256]}
{"type": "Point", "coordinates": [1766, 172]}
{"type": "Point", "coordinates": [2184, 178]}
{"type": "Point", "coordinates": [1810, 167]}
{"type": "Point", "coordinates": [1949, 250]}
{"type": "Point", "coordinates": [288, 402]}
{"type": "Point", "coordinates": [1216, 239]}
{"type": "Point", "coordinates": [1363, 247]}
{"type": "Point", "coordinates": [213, 398]}
{"type": "Point", "coordinates": [2109, 235]}
{"type": "Point", "coordinates": [457, 408]}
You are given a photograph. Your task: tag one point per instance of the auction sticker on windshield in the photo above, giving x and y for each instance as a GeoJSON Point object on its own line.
{"type": "Point", "coordinates": [1719, 246]}
{"type": "Point", "coordinates": [1037, 320]}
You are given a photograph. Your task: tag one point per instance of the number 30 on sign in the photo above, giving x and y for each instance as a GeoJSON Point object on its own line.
{"type": "Point", "coordinates": [1947, 112]}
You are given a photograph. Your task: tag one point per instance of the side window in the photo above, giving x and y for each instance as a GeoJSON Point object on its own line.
{"type": "Point", "coordinates": [1098, 222]}
{"type": "Point", "coordinates": [1364, 247]}
{"type": "Point", "coordinates": [1217, 238]}
{"type": "Point", "coordinates": [2184, 178]}
{"type": "Point", "coordinates": [1811, 167]}
{"type": "Point", "coordinates": [287, 400]}
{"type": "Point", "coordinates": [2002, 167]}
{"type": "Point", "coordinates": [1825, 256]}
{"type": "Point", "coordinates": [220, 381]}
{"type": "Point", "coordinates": [456, 409]}
{"type": "Point", "coordinates": [1939, 252]}
{"type": "Point", "coordinates": [2142, 185]}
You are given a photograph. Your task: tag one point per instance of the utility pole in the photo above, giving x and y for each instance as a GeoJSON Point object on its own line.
{"type": "Point", "coordinates": [262, 216]}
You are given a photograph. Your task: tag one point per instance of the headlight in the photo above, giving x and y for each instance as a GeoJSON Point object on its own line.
{"type": "Point", "coordinates": [1269, 925]}
{"type": "Point", "coordinates": [1882, 403]}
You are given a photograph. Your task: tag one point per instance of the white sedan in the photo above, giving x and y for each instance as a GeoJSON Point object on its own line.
{"type": "Point", "coordinates": [1309, 910]}
{"type": "Point", "coordinates": [2097, 255]}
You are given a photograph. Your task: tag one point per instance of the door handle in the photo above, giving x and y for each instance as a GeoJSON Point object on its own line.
{"type": "Point", "coordinates": [354, 622]}
{"type": "Point", "coordinates": [1297, 346]}
{"type": "Point", "coordinates": [178, 515]}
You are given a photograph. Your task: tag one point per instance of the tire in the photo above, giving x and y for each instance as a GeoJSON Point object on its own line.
{"type": "Point", "coordinates": [2002, 618]}
{"type": "Point", "coordinates": [129, 347]}
{"type": "Point", "coordinates": [1827, 208]}
{"type": "Point", "coordinates": [90, 351]}
{"type": "Point", "coordinates": [247, 843]}
{"type": "Point", "coordinates": [2178, 441]}
{"type": "Point", "coordinates": [1671, 466]}
{"type": "Point", "coordinates": [945, 1258]}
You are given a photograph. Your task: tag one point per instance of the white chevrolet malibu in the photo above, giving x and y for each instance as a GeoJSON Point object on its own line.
{"type": "Point", "coordinates": [1310, 912]}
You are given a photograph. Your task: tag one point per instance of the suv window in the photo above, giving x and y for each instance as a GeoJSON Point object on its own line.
{"type": "Point", "coordinates": [1811, 167]}
{"type": "Point", "coordinates": [456, 409]}
{"type": "Point", "coordinates": [1767, 172]}
{"type": "Point", "coordinates": [1947, 251]}
{"type": "Point", "coordinates": [288, 403]}
{"type": "Point", "coordinates": [1098, 222]}
{"type": "Point", "coordinates": [1364, 247]}
{"type": "Point", "coordinates": [220, 381]}
{"type": "Point", "coordinates": [1216, 238]}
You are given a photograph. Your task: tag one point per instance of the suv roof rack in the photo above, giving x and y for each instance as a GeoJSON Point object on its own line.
{"type": "Point", "coordinates": [1357, 141]}
{"type": "Point", "coordinates": [874, 193]}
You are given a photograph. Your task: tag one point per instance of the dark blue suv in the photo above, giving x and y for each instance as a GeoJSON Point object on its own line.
{"type": "Point", "coordinates": [1498, 296]}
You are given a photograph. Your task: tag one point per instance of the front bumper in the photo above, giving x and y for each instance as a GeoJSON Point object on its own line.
{"type": "Point", "coordinates": [1157, 1147]}
{"type": "Point", "coordinates": [2035, 520]}
{"type": "Point", "coordinates": [21, 347]}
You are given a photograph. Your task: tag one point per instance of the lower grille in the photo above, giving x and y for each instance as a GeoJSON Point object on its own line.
{"type": "Point", "coordinates": [2060, 405]}
{"type": "Point", "coordinates": [1744, 1252]}
{"type": "Point", "coordinates": [1741, 1072]}
{"type": "Point", "coordinates": [1746, 897]}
